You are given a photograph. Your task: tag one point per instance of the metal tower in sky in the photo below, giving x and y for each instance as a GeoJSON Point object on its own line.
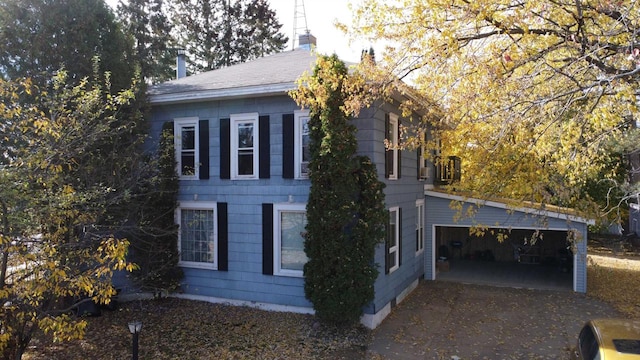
{"type": "Point", "coordinates": [299, 14]}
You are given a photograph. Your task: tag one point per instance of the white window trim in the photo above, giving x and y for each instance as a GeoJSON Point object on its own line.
{"type": "Point", "coordinates": [395, 249]}
{"type": "Point", "coordinates": [178, 124]}
{"type": "Point", "coordinates": [424, 164]}
{"type": "Point", "coordinates": [420, 224]}
{"type": "Point", "coordinates": [298, 116]}
{"type": "Point", "coordinates": [393, 124]}
{"type": "Point", "coordinates": [277, 241]}
{"type": "Point", "coordinates": [199, 205]}
{"type": "Point", "coordinates": [244, 118]}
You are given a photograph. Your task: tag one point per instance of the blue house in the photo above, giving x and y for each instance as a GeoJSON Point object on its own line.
{"type": "Point", "coordinates": [241, 145]}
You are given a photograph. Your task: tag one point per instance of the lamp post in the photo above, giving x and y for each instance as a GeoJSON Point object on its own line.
{"type": "Point", "coordinates": [134, 328]}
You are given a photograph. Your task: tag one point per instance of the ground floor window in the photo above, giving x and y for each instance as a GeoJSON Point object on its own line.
{"type": "Point", "coordinates": [419, 226]}
{"type": "Point", "coordinates": [197, 236]}
{"type": "Point", "coordinates": [393, 239]}
{"type": "Point", "coordinates": [289, 225]}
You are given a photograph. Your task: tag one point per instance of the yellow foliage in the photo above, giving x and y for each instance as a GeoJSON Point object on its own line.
{"type": "Point", "coordinates": [47, 200]}
{"type": "Point", "coordinates": [536, 94]}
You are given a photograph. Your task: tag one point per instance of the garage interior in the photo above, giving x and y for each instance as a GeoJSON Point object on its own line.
{"type": "Point", "coordinates": [524, 258]}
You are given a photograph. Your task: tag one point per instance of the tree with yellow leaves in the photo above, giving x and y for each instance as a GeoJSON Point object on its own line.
{"type": "Point", "coordinates": [55, 187]}
{"type": "Point", "coordinates": [539, 98]}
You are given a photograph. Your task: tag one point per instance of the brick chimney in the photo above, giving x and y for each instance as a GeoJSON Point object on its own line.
{"type": "Point", "coordinates": [306, 41]}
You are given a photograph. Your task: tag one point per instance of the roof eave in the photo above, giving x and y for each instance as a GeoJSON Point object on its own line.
{"type": "Point", "coordinates": [221, 94]}
{"type": "Point", "coordinates": [524, 209]}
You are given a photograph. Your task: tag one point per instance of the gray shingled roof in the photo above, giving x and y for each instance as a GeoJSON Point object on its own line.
{"type": "Point", "coordinates": [268, 75]}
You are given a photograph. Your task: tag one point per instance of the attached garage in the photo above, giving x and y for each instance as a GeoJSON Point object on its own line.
{"type": "Point", "coordinates": [515, 241]}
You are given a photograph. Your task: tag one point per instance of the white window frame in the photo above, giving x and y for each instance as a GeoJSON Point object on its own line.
{"type": "Point", "coordinates": [278, 210]}
{"type": "Point", "coordinates": [236, 119]}
{"type": "Point", "coordinates": [198, 205]}
{"type": "Point", "coordinates": [178, 125]}
{"type": "Point", "coordinates": [424, 164]}
{"type": "Point", "coordinates": [299, 116]}
{"type": "Point", "coordinates": [393, 142]}
{"type": "Point", "coordinates": [396, 248]}
{"type": "Point", "coordinates": [420, 226]}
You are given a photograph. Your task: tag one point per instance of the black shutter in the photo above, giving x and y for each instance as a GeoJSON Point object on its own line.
{"type": "Point", "coordinates": [264, 167]}
{"type": "Point", "coordinates": [225, 148]}
{"type": "Point", "coordinates": [267, 239]}
{"type": "Point", "coordinates": [223, 237]}
{"type": "Point", "coordinates": [399, 236]}
{"type": "Point", "coordinates": [288, 141]}
{"type": "Point", "coordinates": [388, 154]}
{"type": "Point", "coordinates": [203, 129]}
{"type": "Point", "coordinates": [168, 126]}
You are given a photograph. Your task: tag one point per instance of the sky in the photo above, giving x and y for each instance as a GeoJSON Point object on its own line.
{"type": "Point", "coordinates": [320, 18]}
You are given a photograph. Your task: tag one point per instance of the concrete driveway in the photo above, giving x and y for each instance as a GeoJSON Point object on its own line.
{"type": "Point", "coordinates": [445, 320]}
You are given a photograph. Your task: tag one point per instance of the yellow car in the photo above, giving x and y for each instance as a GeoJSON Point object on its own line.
{"type": "Point", "coordinates": [609, 339]}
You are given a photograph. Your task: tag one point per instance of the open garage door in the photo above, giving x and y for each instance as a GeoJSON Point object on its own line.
{"type": "Point", "coordinates": [527, 258]}
{"type": "Point", "coordinates": [548, 262]}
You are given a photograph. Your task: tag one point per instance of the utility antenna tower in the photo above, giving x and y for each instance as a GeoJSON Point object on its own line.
{"type": "Point", "coordinates": [299, 14]}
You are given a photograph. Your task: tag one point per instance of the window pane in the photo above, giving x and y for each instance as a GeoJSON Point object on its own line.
{"type": "Point", "coordinates": [197, 242]}
{"type": "Point", "coordinates": [391, 259]}
{"type": "Point", "coordinates": [188, 162]}
{"type": "Point", "coordinates": [292, 228]}
{"type": "Point", "coordinates": [306, 153]}
{"type": "Point", "coordinates": [188, 138]}
{"type": "Point", "coordinates": [245, 162]}
{"type": "Point", "coordinates": [245, 135]}
{"type": "Point", "coordinates": [392, 229]}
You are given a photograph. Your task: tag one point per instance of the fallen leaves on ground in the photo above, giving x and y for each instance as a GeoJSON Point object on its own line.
{"type": "Point", "coordinates": [615, 281]}
{"type": "Point", "coordinates": [438, 320]}
{"type": "Point", "coordinates": [184, 329]}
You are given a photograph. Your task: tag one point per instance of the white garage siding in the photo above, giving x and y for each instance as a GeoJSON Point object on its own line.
{"type": "Point", "coordinates": [499, 215]}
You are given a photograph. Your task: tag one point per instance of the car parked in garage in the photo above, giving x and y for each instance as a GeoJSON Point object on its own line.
{"type": "Point", "coordinates": [609, 339]}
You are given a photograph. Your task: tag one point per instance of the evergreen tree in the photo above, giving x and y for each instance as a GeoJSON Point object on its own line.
{"type": "Point", "coordinates": [39, 37]}
{"type": "Point", "coordinates": [345, 210]}
{"type": "Point", "coordinates": [154, 241]}
{"type": "Point", "coordinates": [258, 34]}
{"type": "Point", "coordinates": [146, 22]}
{"type": "Point", "coordinates": [218, 33]}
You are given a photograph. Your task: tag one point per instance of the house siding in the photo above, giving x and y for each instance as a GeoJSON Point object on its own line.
{"type": "Point", "coordinates": [244, 280]}
{"type": "Point", "coordinates": [402, 193]}
{"type": "Point", "coordinates": [439, 213]}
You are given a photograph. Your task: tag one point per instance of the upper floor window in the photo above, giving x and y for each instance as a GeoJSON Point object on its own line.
{"type": "Point", "coordinates": [392, 153]}
{"type": "Point", "coordinates": [424, 170]}
{"type": "Point", "coordinates": [244, 146]}
{"type": "Point", "coordinates": [197, 237]}
{"type": "Point", "coordinates": [186, 141]}
{"type": "Point", "coordinates": [448, 169]}
{"type": "Point", "coordinates": [289, 222]}
{"type": "Point", "coordinates": [301, 147]}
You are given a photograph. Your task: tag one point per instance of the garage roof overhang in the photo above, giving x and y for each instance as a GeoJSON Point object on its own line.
{"type": "Point", "coordinates": [535, 209]}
